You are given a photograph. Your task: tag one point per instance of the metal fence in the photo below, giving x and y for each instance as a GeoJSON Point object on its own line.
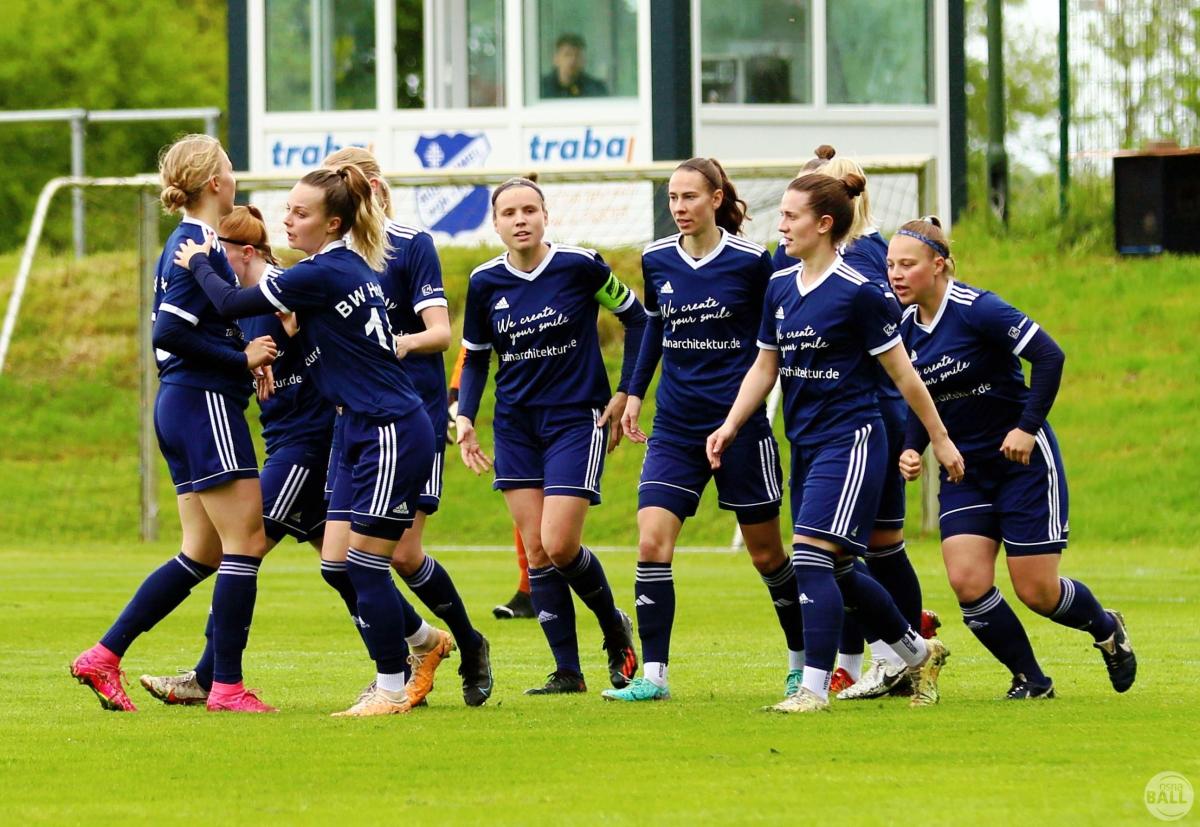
{"type": "Point", "coordinates": [1134, 78]}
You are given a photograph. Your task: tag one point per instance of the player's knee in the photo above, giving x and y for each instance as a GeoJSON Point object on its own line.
{"type": "Point", "coordinates": [969, 585]}
{"type": "Point", "coordinates": [1039, 596]}
{"type": "Point", "coordinates": [654, 548]}
{"type": "Point", "coordinates": [405, 562]}
{"type": "Point", "coordinates": [766, 558]}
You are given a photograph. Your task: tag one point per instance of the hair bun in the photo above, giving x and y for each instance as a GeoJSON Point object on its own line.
{"type": "Point", "coordinates": [854, 183]}
{"type": "Point", "coordinates": [932, 219]}
{"type": "Point", "coordinates": [532, 176]}
{"type": "Point", "coordinates": [825, 152]}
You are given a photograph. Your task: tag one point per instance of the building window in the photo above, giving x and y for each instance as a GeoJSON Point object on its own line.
{"type": "Point", "coordinates": [318, 60]}
{"type": "Point", "coordinates": [467, 56]}
{"type": "Point", "coordinates": [879, 52]}
{"type": "Point", "coordinates": [581, 50]}
{"type": "Point", "coordinates": [410, 54]}
{"type": "Point", "coordinates": [756, 51]}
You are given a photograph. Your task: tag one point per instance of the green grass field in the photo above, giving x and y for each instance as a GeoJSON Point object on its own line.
{"type": "Point", "coordinates": [707, 756]}
{"type": "Point", "coordinates": [1128, 417]}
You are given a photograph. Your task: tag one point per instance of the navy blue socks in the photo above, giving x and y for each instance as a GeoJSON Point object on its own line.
{"type": "Point", "coordinates": [1078, 608]}
{"type": "Point", "coordinates": [432, 584]}
{"type": "Point", "coordinates": [380, 610]}
{"type": "Point", "coordinates": [993, 621]}
{"type": "Point", "coordinates": [232, 610]}
{"type": "Point", "coordinates": [551, 597]}
{"type": "Point", "coordinates": [157, 597]}
{"type": "Point", "coordinates": [892, 569]}
{"type": "Point", "coordinates": [782, 586]}
{"type": "Point", "coordinates": [654, 593]}
{"type": "Point", "coordinates": [870, 602]}
{"type": "Point", "coordinates": [586, 577]}
{"type": "Point", "coordinates": [821, 604]}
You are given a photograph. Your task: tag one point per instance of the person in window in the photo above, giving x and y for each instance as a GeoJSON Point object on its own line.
{"type": "Point", "coordinates": [568, 78]}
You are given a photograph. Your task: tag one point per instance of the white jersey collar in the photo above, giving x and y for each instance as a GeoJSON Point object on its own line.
{"type": "Point", "coordinates": [804, 291]}
{"type": "Point", "coordinates": [537, 271]}
{"type": "Point", "coordinates": [941, 310]}
{"type": "Point", "coordinates": [697, 263]}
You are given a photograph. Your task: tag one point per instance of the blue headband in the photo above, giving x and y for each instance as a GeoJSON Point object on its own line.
{"type": "Point", "coordinates": [938, 247]}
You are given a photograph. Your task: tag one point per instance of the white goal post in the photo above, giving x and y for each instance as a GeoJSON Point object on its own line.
{"type": "Point", "coordinates": [598, 205]}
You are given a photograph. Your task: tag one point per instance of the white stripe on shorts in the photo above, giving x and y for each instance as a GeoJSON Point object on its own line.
{"type": "Point", "coordinates": [211, 400]}
{"type": "Point", "coordinates": [853, 482]}
{"type": "Point", "coordinates": [1054, 526]}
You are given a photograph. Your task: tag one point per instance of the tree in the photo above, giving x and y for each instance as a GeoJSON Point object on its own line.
{"type": "Point", "coordinates": [112, 55]}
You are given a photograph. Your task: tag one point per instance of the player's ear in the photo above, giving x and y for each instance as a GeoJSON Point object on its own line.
{"type": "Point", "coordinates": [825, 224]}
{"type": "Point", "coordinates": [333, 226]}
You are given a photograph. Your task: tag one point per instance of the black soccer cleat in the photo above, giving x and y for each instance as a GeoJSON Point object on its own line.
{"type": "Point", "coordinates": [1118, 655]}
{"type": "Point", "coordinates": [475, 669]}
{"type": "Point", "coordinates": [519, 606]}
{"type": "Point", "coordinates": [622, 659]}
{"type": "Point", "coordinates": [1023, 689]}
{"type": "Point", "coordinates": [560, 682]}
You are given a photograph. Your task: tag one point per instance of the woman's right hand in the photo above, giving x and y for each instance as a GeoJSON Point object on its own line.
{"type": "Point", "coordinates": [260, 351]}
{"type": "Point", "coordinates": [468, 445]}
{"type": "Point", "coordinates": [910, 465]}
{"type": "Point", "coordinates": [718, 441]}
{"type": "Point", "coordinates": [949, 458]}
{"type": "Point", "coordinates": [629, 419]}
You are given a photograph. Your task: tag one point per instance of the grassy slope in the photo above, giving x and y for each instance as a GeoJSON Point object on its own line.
{"type": "Point", "coordinates": [1127, 417]}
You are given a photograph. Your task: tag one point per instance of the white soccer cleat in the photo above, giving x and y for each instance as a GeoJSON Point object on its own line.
{"type": "Point", "coordinates": [881, 677]}
{"type": "Point", "coordinates": [805, 700]}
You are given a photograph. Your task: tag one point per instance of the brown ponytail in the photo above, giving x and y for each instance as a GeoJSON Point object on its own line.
{"type": "Point", "coordinates": [833, 197]}
{"type": "Point", "coordinates": [348, 196]}
{"type": "Point", "coordinates": [732, 212]}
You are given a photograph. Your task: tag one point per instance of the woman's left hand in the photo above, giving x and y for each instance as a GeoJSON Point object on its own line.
{"type": "Point", "coordinates": [1018, 446]}
{"type": "Point", "coordinates": [188, 249]}
{"type": "Point", "coordinates": [611, 417]}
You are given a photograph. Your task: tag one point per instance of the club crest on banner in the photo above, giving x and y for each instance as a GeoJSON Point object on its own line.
{"type": "Point", "coordinates": [452, 210]}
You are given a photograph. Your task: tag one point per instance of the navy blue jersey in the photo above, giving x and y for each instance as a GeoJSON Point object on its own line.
{"type": "Point", "coordinates": [708, 312]}
{"type": "Point", "coordinates": [412, 281]}
{"type": "Point", "coordinates": [542, 326]}
{"type": "Point", "coordinates": [866, 254]}
{"type": "Point", "coordinates": [968, 357]}
{"type": "Point", "coordinates": [296, 413]}
{"type": "Point", "coordinates": [177, 296]}
{"type": "Point", "coordinates": [347, 342]}
{"type": "Point", "coordinates": [827, 335]}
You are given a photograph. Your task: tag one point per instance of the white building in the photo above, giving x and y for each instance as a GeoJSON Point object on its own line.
{"type": "Point", "coordinates": [466, 83]}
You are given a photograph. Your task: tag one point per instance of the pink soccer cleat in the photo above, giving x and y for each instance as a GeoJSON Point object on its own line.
{"type": "Point", "coordinates": [100, 671]}
{"type": "Point", "coordinates": [235, 698]}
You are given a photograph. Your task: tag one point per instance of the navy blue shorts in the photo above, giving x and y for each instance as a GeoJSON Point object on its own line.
{"type": "Point", "coordinates": [559, 450]}
{"type": "Point", "coordinates": [1025, 506]}
{"type": "Point", "coordinates": [381, 468]}
{"type": "Point", "coordinates": [204, 438]}
{"type": "Point", "coordinates": [748, 482]}
{"type": "Point", "coordinates": [891, 499]}
{"type": "Point", "coordinates": [836, 487]}
{"type": "Point", "coordinates": [431, 492]}
{"type": "Point", "coordinates": [293, 492]}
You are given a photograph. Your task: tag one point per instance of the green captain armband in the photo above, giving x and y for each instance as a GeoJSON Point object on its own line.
{"type": "Point", "coordinates": [614, 295]}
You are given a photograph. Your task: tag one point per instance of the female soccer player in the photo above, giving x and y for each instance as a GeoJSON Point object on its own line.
{"type": "Point", "coordinates": [419, 318]}
{"type": "Point", "coordinates": [204, 369]}
{"type": "Point", "coordinates": [821, 321]}
{"type": "Point", "coordinates": [386, 438]}
{"type": "Point", "coordinates": [967, 344]}
{"type": "Point", "coordinates": [536, 305]}
{"type": "Point", "coordinates": [704, 294]}
{"type": "Point", "coordinates": [865, 250]}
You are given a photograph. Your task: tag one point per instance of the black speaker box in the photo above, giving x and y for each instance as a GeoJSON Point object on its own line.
{"type": "Point", "coordinates": [1157, 202]}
